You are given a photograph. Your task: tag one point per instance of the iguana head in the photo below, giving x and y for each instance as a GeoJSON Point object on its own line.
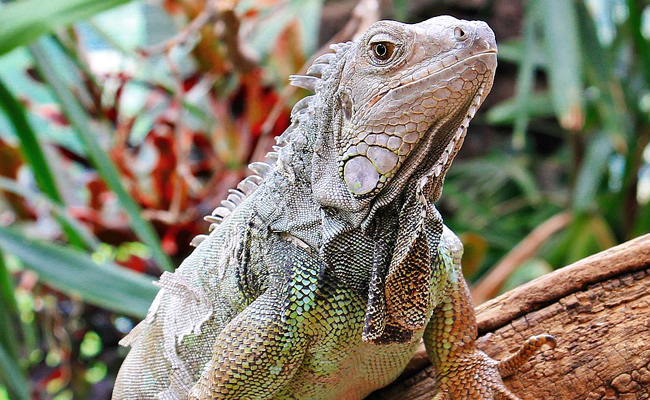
{"type": "Point", "coordinates": [404, 97]}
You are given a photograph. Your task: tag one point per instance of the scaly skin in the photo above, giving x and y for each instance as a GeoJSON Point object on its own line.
{"type": "Point", "coordinates": [325, 274]}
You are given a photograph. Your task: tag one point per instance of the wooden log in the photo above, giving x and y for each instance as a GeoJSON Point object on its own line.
{"type": "Point", "coordinates": [598, 309]}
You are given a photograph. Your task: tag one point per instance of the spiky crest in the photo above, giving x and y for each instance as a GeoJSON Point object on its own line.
{"type": "Point", "coordinates": [311, 81]}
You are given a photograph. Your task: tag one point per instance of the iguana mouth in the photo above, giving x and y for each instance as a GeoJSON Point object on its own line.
{"type": "Point", "coordinates": [374, 156]}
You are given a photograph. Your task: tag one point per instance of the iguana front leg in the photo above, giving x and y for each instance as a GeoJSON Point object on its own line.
{"type": "Point", "coordinates": [462, 371]}
{"type": "Point", "coordinates": [258, 352]}
{"type": "Point", "coordinates": [254, 355]}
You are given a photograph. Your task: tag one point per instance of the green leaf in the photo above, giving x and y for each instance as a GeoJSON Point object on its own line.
{"type": "Point", "coordinates": [636, 9]}
{"type": "Point", "coordinates": [401, 9]}
{"type": "Point", "coordinates": [525, 81]}
{"type": "Point", "coordinates": [642, 221]}
{"type": "Point", "coordinates": [588, 234]}
{"type": "Point", "coordinates": [507, 112]}
{"type": "Point", "coordinates": [599, 72]}
{"type": "Point", "coordinates": [526, 272]}
{"type": "Point", "coordinates": [100, 159]}
{"type": "Point", "coordinates": [591, 173]}
{"type": "Point", "coordinates": [562, 37]}
{"type": "Point", "coordinates": [524, 178]}
{"type": "Point", "coordinates": [12, 378]}
{"type": "Point", "coordinates": [8, 312]}
{"type": "Point", "coordinates": [264, 39]}
{"type": "Point", "coordinates": [6, 287]}
{"type": "Point", "coordinates": [33, 152]}
{"type": "Point", "coordinates": [309, 15]}
{"type": "Point", "coordinates": [515, 51]}
{"type": "Point", "coordinates": [106, 285]}
{"type": "Point", "coordinates": [24, 21]}
{"type": "Point", "coordinates": [30, 146]}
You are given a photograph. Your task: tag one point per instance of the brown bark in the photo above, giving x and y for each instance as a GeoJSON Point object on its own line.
{"type": "Point", "coordinates": [599, 311]}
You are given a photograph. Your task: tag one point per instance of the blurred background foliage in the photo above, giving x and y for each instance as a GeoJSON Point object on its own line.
{"type": "Point", "coordinates": [121, 125]}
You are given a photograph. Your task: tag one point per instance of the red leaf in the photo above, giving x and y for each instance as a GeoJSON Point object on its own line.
{"type": "Point", "coordinates": [11, 161]}
{"type": "Point", "coordinates": [135, 263]}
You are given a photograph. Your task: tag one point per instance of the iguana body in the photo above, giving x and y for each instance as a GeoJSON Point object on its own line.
{"type": "Point", "coordinates": [325, 274]}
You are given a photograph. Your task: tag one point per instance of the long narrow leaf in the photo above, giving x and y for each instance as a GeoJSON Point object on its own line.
{"type": "Point", "coordinates": [30, 146]}
{"type": "Point", "coordinates": [514, 51]}
{"type": "Point", "coordinates": [507, 111]}
{"type": "Point", "coordinates": [8, 312]}
{"type": "Point", "coordinates": [591, 172]}
{"type": "Point", "coordinates": [636, 10]}
{"type": "Point", "coordinates": [107, 170]}
{"type": "Point", "coordinates": [106, 285]}
{"type": "Point", "coordinates": [8, 333]}
{"type": "Point", "coordinates": [22, 22]}
{"type": "Point", "coordinates": [6, 287]}
{"type": "Point", "coordinates": [12, 378]}
{"type": "Point", "coordinates": [563, 50]}
{"type": "Point", "coordinates": [33, 152]}
{"type": "Point", "coordinates": [600, 74]}
{"type": "Point", "coordinates": [525, 80]}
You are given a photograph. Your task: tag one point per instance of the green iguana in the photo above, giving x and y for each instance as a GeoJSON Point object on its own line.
{"type": "Point", "coordinates": [324, 271]}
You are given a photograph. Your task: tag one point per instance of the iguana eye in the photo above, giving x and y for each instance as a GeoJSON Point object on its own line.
{"type": "Point", "coordinates": [460, 34]}
{"type": "Point", "coordinates": [383, 50]}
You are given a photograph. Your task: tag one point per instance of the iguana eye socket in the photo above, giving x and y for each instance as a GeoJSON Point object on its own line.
{"type": "Point", "coordinates": [460, 34]}
{"type": "Point", "coordinates": [383, 50]}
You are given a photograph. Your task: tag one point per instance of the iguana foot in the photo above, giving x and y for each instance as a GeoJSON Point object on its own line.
{"type": "Point", "coordinates": [475, 376]}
